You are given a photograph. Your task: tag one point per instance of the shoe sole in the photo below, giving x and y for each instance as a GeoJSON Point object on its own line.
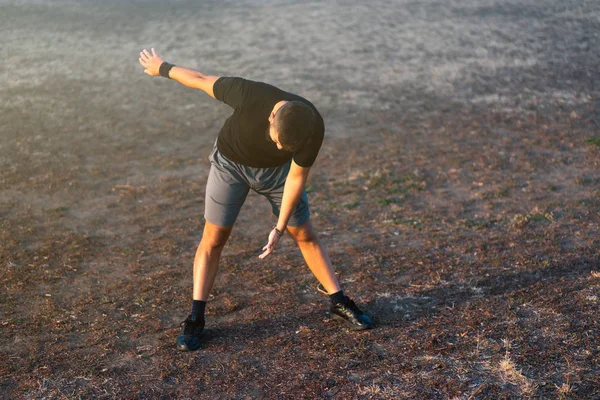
{"type": "Point", "coordinates": [351, 326]}
{"type": "Point", "coordinates": [185, 348]}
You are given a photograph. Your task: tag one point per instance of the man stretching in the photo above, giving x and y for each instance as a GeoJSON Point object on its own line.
{"type": "Point", "coordinates": [268, 145]}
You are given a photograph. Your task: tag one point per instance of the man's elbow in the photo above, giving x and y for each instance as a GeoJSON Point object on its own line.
{"type": "Point", "coordinates": [206, 83]}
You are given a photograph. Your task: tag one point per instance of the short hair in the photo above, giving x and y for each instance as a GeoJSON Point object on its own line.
{"type": "Point", "coordinates": [295, 124]}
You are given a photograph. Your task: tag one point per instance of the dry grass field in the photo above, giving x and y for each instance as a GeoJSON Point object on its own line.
{"type": "Point", "coordinates": [458, 193]}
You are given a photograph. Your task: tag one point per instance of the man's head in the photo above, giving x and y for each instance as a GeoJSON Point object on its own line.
{"type": "Point", "coordinates": [291, 125]}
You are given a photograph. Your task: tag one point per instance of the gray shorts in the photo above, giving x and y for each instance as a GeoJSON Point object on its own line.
{"type": "Point", "coordinates": [229, 183]}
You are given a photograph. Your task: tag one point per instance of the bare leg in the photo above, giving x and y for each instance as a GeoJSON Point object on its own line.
{"type": "Point", "coordinates": [315, 256]}
{"type": "Point", "coordinates": [206, 262]}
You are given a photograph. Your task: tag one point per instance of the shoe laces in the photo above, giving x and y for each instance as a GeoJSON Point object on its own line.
{"type": "Point", "coordinates": [350, 304]}
{"type": "Point", "coordinates": [189, 326]}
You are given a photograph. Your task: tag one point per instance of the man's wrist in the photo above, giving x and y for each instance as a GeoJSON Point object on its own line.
{"type": "Point", "coordinates": [279, 231]}
{"type": "Point", "coordinates": [164, 69]}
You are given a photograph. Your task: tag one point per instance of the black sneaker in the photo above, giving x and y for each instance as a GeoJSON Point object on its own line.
{"type": "Point", "coordinates": [352, 315]}
{"type": "Point", "coordinates": [189, 338]}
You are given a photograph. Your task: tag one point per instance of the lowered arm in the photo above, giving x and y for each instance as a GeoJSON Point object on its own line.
{"type": "Point", "coordinates": [292, 191]}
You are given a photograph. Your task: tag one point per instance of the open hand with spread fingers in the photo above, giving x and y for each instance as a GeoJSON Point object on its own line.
{"type": "Point", "coordinates": [151, 62]}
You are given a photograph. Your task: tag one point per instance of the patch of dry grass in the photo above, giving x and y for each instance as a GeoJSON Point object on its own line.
{"type": "Point", "coordinates": [455, 192]}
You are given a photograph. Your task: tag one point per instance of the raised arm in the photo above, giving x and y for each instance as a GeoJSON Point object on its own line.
{"type": "Point", "coordinates": [187, 77]}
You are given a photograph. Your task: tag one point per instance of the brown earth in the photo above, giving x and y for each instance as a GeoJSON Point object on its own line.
{"type": "Point", "coordinates": [457, 192]}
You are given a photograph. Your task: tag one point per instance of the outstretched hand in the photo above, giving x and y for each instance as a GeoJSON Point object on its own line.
{"type": "Point", "coordinates": [151, 62]}
{"type": "Point", "coordinates": [273, 240]}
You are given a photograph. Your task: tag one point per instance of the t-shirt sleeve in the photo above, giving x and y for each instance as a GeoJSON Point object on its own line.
{"type": "Point", "coordinates": [306, 156]}
{"type": "Point", "coordinates": [230, 90]}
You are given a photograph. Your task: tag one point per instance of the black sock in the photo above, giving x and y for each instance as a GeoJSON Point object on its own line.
{"type": "Point", "coordinates": [198, 307]}
{"type": "Point", "coordinates": [338, 297]}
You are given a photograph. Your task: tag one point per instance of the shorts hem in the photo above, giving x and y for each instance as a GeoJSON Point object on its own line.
{"type": "Point", "coordinates": [219, 224]}
{"type": "Point", "coordinates": [300, 222]}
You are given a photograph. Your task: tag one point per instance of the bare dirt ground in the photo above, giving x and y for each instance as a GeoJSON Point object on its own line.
{"type": "Point", "coordinates": [457, 192]}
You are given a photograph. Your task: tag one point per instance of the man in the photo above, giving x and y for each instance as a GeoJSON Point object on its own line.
{"type": "Point", "coordinates": [268, 144]}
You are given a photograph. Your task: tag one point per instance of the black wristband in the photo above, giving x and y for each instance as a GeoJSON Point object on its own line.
{"type": "Point", "coordinates": [278, 231]}
{"type": "Point", "coordinates": [164, 69]}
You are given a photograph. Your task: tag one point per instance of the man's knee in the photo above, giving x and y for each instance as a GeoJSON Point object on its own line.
{"type": "Point", "coordinates": [214, 237]}
{"type": "Point", "coordinates": [212, 244]}
{"type": "Point", "coordinates": [303, 234]}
